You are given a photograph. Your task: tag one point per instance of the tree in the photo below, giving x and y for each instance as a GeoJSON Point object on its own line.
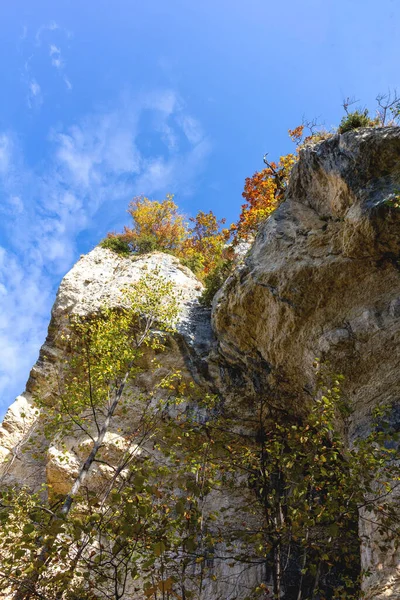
{"type": "Point", "coordinates": [156, 521]}
{"type": "Point", "coordinates": [263, 192]}
{"type": "Point", "coordinates": [48, 539]}
{"type": "Point", "coordinates": [156, 226]}
{"type": "Point", "coordinates": [206, 244]}
{"type": "Point", "coordinates": [308, 490]}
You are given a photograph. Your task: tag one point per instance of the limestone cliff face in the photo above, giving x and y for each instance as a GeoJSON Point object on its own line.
{"type": "Point", "coordinates": [96, 280]}
{"type": "Point", "coordinates": [321, 280]}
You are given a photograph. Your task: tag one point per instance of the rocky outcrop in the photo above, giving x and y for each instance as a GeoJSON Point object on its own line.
{"type": "Point", "coordinates": [323, 280]}
{"type": "Point", "coordinates": [95, 281]}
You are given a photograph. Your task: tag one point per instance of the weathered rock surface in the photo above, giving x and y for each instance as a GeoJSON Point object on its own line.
{"type": "Point", "coordinates": [27, 457]}
{"type": "Point", "coordinates": [323, 280]}
{"type": "Point", "coordinates": [96, 280]}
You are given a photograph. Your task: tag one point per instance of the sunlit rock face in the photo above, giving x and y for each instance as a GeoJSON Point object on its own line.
{"type": "Point", "coordinates": [95, 281]}
{"type": "Point", "coordinates": [323, 280]}
{"type": "Point", "coordinates": [29, 458]}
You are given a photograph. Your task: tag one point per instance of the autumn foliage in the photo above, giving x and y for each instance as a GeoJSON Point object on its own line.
{"type": "Point", "coordinates": [202, 242]}
{"type": "Point", "coordinates": [263, 192]}
{"type": "Point", "coordinates": [206, 243]}
{"type": "Point", "coordinates": [156, 225]}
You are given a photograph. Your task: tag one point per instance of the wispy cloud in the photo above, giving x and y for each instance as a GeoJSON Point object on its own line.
{"type": "Point", "coordinates": [55, 54]}
{"type": "Point", "coordinates": [35, 88]}
{"type": "Point", "coordinates": [49, 33]}
{"type": "Point", "coordinates": [191, 129]}
{"type": "Point", "coordinates": [5, 150]}
{"type": "Point", "coordinates": [24, 33]}
{"type": "Point", "coordinates": [35, 97]}
{"type": "Point", "coordinates": [58, 62]}
{"type": "Point", "coordinates": [67, 82]}
{"type": "Point", "coordinates": [52, 26]}
{"type": "Point", "coordinates": [97, 162]}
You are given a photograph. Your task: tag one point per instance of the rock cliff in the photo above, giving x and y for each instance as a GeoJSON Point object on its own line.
{"type": "Point", "coordinates": [322, 279]}
{"type": "Point", "coordinates": [94, 281]}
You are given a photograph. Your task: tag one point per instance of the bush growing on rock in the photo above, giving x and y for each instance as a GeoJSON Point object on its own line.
{"type": "Point", "coordinates": [214, 280]}
{"type": "Point", "coordinates": [206, 242]}
{"type": "Point", "coordinates": [201, 243]}
{"type": "Point", "coordinates": [356, 119]}
{"type": "Point", "coordinates": [116, 244]}
{"type": "Point", "coordinates": [155, 225]}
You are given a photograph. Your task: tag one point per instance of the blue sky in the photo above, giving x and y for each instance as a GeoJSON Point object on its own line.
{"type": "Point", "coordinates": [101, 101]}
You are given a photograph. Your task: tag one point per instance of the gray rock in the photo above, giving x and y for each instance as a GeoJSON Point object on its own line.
{"type": "Point", "coordinates": [323, 280]}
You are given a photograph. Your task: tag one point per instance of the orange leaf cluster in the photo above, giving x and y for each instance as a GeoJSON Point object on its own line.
{"type": "Point", "coordinates": [206, 242]}
{"type": "Point", "coordinates": [156, 225]}
{"type": "Point", "coordinates": [263, 192]}
{"type": "Point", "coordinates": [296, 134]}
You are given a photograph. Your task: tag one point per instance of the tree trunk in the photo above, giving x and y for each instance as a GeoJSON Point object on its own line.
{"type": "Point", "coordinates": [26, 588]}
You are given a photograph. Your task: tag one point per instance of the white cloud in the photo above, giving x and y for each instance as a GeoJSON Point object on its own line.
{"type": "Point", "coordinates": [57, 62]}
{"type": "Point", "coordinates": [35, 88]}
{"type": "Point", "coordinates": [52, 26]}
{"type": "Point", "coordinates": [55, 54]}
{"type": "Point", "coordinates": [169, 136]}
{"type": "Point", "coordinates": [35, 97]}
{"type": "Point", "coordinates": [99, 146]}
{"type": "Point", "coordinates": [5, 151]}
{"type": "Point", "coordinates": [192, 129]}
{"type": "Point", "coordinates": [97, 161]}
{"type": "Point", "coordinates": [54, 50]}
{"type": "Point", "coordinates": [45, 32]}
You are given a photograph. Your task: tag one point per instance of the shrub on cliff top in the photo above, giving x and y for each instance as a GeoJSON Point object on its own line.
{"type": "Point", "coordinates": [116, 244]}
{"type": "Point", "coordinates": [155, 225]}
{"type": "Point", "coordinates": [200, 242]}
{"type": "Point", "coordinates": [356, 119]}
{"type": "Point", "coordinates": [205, 244]}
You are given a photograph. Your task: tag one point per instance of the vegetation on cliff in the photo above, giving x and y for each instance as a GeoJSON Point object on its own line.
{"type": "Point", "coordinates": [153, 523]}
{"type": "Point", "coordinates": [201, 242]}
